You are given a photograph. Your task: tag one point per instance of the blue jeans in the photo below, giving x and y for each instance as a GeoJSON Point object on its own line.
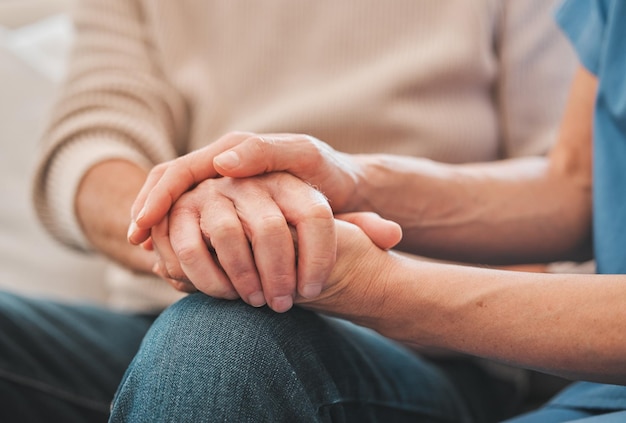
{"type": "Point", "coordinates": [62, 362]}
{"type": "Point", "coordinates": [210, 360]}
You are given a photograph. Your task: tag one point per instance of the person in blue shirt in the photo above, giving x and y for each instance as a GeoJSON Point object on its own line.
{"type": "Point", "coordinates": [570, 205]}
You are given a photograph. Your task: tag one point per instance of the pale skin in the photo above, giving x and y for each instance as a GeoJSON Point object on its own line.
{"type": "Point", "coordinates": [525, 210]}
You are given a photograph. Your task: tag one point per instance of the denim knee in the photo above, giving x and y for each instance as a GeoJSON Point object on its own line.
{"type": "Point", "coordinates": [211, 360]}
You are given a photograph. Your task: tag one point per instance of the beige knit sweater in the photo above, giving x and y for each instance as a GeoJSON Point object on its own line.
{"type": "Point", "coordinates": [453, 80]}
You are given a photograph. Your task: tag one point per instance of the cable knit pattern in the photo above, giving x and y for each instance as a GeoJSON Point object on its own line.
{"type": "Point", "coordinates": [454, 81]}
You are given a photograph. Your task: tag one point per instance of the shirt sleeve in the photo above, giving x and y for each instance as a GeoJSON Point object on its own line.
{"type": "Point", "coordinates": [584, 23]}
{"type": "Point", "coordinates": [116, 103]}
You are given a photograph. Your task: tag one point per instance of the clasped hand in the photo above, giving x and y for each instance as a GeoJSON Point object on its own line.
{"type": "Point", "coordinates": [265, 236]}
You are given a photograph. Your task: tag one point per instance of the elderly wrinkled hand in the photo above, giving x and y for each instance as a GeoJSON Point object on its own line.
{"type": "Point", "coordinates": [243, 154]}
{"type": "Point", "coordinates": [231, 238]}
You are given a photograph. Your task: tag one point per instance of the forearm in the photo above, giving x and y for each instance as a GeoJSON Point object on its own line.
{"type": "Point", "coordinates": [513, 211]}
{"type": "Point", "coordinates": [569, 325]}
{"type": "Point", "coordinates": [103, 204]}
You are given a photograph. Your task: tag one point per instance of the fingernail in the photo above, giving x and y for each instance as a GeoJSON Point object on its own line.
{"type": "Point", "coordinates": [257, 299]}
{"type": "Point", "coordinates": [132, 228]}
{"type": "Point", "coordinates": [156, 268]}
{"type": "Point", "coordinates": [282, 304]}
{"type": "Point", "coordinates": [227, 160]}
{"type": "Point", "coordinates": [311, 290]}
{"type": "Point", "coordinates": [141, 214]}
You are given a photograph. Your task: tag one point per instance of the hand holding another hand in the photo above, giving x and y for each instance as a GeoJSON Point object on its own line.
{"type": "Point", "coordinates": [221, 218]}
{"type": "Point", "coordinates": [246, 224]}
{"type": "Point", "coordinates": [239, 155]}
{"type": "Point", "coordinates": [362, 239]}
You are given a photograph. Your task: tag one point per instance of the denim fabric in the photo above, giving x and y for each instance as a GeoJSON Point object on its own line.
{"type": "Point", "coordinates": [211, 360]}
{"type": "Point", "coordinates": [223, 361]}
{"type": "Point", "coordinates": [62, 363]}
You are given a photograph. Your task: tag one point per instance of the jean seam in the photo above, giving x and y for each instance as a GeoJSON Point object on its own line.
{"type": "Point", "coordinates": [45, 388]}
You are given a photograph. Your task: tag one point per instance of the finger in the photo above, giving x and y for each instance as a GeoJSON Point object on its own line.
{"type": "Point", "coordinates": [135, 234]}
{"type": "Point", "coordinates": [313, 219]}
{"type": "Point", "coordinates": [272, 245]}
{"type": "Point", "coordinates": [151, 180]}
{"type": "Point", "coordinates": [193, 256]}
{"type": "Point", "coordinates": [168, 262]}
{"type": "Point", "coordinates": [147, 244]}
{"type": "Point", "coordinates": [384, 233]}
{"type": "Point", "coordinates": [179, 176]}
{"type": "Point", "coordinates": [230, 274]}
{"type": "Point", "coordinates": [177, 285]}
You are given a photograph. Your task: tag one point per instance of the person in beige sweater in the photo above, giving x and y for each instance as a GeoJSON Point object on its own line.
{"type": "Point", "coordinates": [150, 81]}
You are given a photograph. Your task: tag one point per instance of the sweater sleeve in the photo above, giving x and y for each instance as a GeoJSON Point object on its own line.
{"type": "Point", "coordinates": [115, 104]}
{"type": "Point", "coordinates": [536, 65]}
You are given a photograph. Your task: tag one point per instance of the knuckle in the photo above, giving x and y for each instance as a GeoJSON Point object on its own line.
{"type": "Point", "coordinates": [262, 147]}
{"type": "Point", "coordinates": [273, 224]}
{"type": "Point", "coordinates": [225, 230]}
{"type": "Point", "coordinates": [319, 210]}
{"type": "Point", "coordinates": [159, 169]}
{"type": "Point", "coordinates": [181, 170]}
{"type": "Point", "coordinates": [314, 147]}
{"type": "Point", "coordinates": [183, 208]}
{"type": "Point", "coordinates": [264, 141]}
{"type": "Point", "coordinates": [260, 143]}
{"type": "Point", "coordinates": [187, 254]}
{"type": "Point", "coordinates": [182, 286]}
{"type": "Point", "coordinates": [172, 271]}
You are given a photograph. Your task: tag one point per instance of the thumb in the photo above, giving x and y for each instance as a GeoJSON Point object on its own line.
{"type": "Point", "coordinates": [260, 154]}
{"type": "Point", "coordinates": [384, 233]}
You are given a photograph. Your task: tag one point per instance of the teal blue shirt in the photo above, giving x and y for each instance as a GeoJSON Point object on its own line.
{"type": "Point", "coordinates": [597, 29]}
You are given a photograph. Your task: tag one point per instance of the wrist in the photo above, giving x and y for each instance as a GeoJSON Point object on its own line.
{"type": "Point", "coordinates": [102, 205]}
{"type": "Point", "coordinates": [367, 178]}
{"type": "Point", "coordinates": [412, 309]}
{"type": "Point", "coordinates": [357, 289]}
